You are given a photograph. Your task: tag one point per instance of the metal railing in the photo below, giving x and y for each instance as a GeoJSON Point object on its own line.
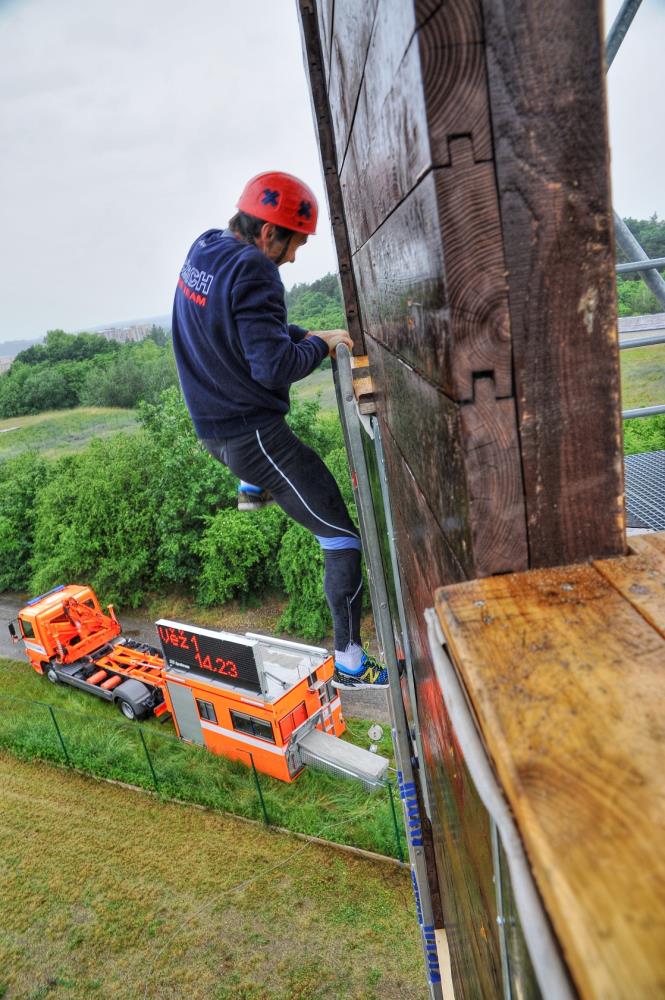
{"type": "Point", "coordinates": [641, 262]}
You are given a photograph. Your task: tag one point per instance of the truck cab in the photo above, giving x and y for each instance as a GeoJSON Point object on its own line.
{"type": "Point", "coordinates": [63, 625]}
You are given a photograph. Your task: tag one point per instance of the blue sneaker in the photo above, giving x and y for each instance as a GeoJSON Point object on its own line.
{"type": "Point", "coordinates": [370, 674]}
{"type": "Point", "coordinates": [253, 497]}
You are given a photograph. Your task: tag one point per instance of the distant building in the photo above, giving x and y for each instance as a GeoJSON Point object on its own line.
{"type": "Point", "coordinates": [124, 333]}
{"type": "Point", "coordinates": [5, 364]}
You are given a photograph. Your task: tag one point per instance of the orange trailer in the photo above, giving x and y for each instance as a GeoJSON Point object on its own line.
{"type": "Point", "coordinates": [256, 702]}
{"type": "Point", "coordinates": [252, 698]}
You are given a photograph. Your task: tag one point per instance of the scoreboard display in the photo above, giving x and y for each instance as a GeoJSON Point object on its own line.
{"type": "Point", "coordinates": [209, 654]}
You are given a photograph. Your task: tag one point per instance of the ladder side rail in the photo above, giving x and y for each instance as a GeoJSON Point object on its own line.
{"type": "Point", "coordinates": [378, 446]}
{"type": "Point", "coordinates": [379, 593]}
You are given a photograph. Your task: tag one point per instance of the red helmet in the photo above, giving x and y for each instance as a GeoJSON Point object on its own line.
{"type": "Point", "coordinates": [281, 199]}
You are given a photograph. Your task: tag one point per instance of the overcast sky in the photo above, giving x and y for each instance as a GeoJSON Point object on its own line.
{"type": "Point", "coordinates": [129, 128]}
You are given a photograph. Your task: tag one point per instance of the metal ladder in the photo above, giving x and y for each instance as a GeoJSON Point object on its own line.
{"type": "Point", "coordinates": [321, 688]}
{"type": "Point", "coordinates": [354, 434]}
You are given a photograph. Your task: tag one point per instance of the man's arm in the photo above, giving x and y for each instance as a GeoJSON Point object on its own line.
{"type": "Point", "coordinates": [297, 333]}
{"type": "Point", "coordinates": [257, 302]}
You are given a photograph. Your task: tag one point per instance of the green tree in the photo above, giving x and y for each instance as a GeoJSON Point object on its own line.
{"type": "Point", "coordinates": [21, 480]}
{"type": "Point", "coordinates": [138, 371]}
{"type": "Point", "coordinates": [191, 485]}
{"type": "Point", "coordinates": [61, 346]}
{"type": "Point", "coordinates": [239, 554]}
{"type": "Point", "coordinates": [96, 520]}
{"type": "Point", "coordinates": [634, 298]}
{"type": "Point", "coordinates": [159, 335]}
{"type": "Point", "coordinates": [301, 566]}
{"type": "Point", "coordinates": [644, 434]}
{"type": "Point", "coordinates": [317, 306]}
{"type": "Point", "coordinates": [649, 233]}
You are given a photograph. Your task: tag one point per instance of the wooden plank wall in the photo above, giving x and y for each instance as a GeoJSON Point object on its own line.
{"type": "Point", "coordinates": [464, 146]}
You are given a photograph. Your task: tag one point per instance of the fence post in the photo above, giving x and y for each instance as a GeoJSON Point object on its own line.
{"type": "Point", "coordinates": [57, 729]}
{"type": "Point", "coordinates": [398, 839]}
{"type": "Point", "coordinates": [258, 788]}
{"type": "Point", "coordinates": [148, 758]}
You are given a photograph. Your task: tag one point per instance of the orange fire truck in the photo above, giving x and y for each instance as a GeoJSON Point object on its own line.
{"type": "Point", "coordinates": [245, 697]}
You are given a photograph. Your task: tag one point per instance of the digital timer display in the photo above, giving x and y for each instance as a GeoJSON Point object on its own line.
{"type": "Point", "coordinates": [209, 654]}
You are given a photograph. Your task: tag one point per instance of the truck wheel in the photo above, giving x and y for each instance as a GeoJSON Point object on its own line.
{"type": "Point", "coordinates": [52, 676]}
{"type": "Point", "coordinates": [127, 710]}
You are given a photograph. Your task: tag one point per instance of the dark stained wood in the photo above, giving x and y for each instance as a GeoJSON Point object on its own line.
{"type": "Point", "coordinates": [495, 495]}
{"type": "Point", "coordinates": [454, 79]}
{"type": "Point", "coordinates": [352, 29]}
{"type": "Point", "coordinates": [447, 266]}
{"type": "Point", "coordinates": [411, 105]}
{"type": "Point", "coordinates": [425, 428]}
{"type": "Point", "coordinates": [460, 827]}
{"type": "Point", "coordinates": [401, 286]}
{"type": "Point", "coordinates": [450, 327]}
{"type": "Point", "coordinates": [324, 11]}
{"type": "Point", "coordinates": [313, 58]}
{"type": "Point", "coordinates": [463, 459]}
{"type": "Point", "coordinates": [475, 272]}
{"type": "Point", "coordinates": [421, 545]}
{"type": "Point", "coordinates": [547, 95]}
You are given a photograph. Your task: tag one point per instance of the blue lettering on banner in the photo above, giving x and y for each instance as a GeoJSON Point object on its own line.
{"type": "Point", "coordinates": [431, 954]}
{"type": "Point", "coordinates": [407, 792]}
{"type": "Point", "coordinates": [416, 893]}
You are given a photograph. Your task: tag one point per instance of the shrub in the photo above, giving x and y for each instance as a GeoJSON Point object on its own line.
{"type": "Point", "coordinates": [644, 434]}
{"type": "Point", "coordinates": [96, 520]}
{"type": "Point", "coordinates": [136, 372]}
{"type": "Point", "coordinates": [192, 488]}
{"type": "Point", "coordinates": [239, 554]}
{"type": "Point", "coordinates": [21, 479]}
{"type": "Point", "coordinates": [301, 566]}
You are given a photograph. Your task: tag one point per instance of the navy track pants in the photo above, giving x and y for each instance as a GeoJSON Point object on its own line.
{"type": "Point", "coordinates": [273, 458]}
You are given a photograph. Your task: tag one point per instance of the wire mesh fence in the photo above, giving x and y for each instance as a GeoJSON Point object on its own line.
{"type": "Point", "coordinates": [317, 804]}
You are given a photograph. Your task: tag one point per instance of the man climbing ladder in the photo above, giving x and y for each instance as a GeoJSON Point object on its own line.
{"type": "Point", "coordinates": [237, 358]}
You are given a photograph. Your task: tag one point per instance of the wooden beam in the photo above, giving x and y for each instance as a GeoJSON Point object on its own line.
{"type": "Point", "coordinates": [463, 459]}
{"type": "Point", "coordinates": [315, 69]}
{"type": "Point", "coordinates": [566, 680]}
{"type": "Point", "coordinates": [352, 28]}
{"type": "Point", "coordinates": [547, 96]}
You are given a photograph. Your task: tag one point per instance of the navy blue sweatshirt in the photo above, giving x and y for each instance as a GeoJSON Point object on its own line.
{"type": "Point", "coordinates": [235, 353]}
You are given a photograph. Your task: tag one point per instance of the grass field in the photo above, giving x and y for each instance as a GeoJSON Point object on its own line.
{"type": "Point", "coordinates": [318, 384]}
{"type": "Point", "coordinates": [643, 376]}
{"type": "Point", "coordinates": [107, 893]}
{"type": "Point", "coordinates": [58, 432]}
{"type": "Point", "coordinates": [99, 742]}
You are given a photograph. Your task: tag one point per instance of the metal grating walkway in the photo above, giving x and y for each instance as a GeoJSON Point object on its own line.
{"type": "Point", "coordinates": [645, 490]}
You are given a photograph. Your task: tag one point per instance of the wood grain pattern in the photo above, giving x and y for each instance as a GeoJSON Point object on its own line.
{"type": "Point", "coordinates": [418, 92]}
{"type": "Point", "coordinates": [497, 516]}
{"type": "Point", "coordinates": [475, 272]}
{"type": "Point", "coordinates": [424, 551]}
{"type": "Point", "coordinates": [425, 428]}
{"type": "Point", "coordinates": [324, 11]}
{"type": "Point", "coordinates": [640, 577]}
{"type": "Point", "coordinates": [567, 683]}
{"type": "Point", "coordinates": [352, 29]}
{"type": "Point", "coordinates": [454, 79]}
{"type": "Point", "coordinates": [464, 459]}
{"type": "Point", "coordinates": [431, 282]}
{"type": "Point", "coordinates": [550, 148]}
